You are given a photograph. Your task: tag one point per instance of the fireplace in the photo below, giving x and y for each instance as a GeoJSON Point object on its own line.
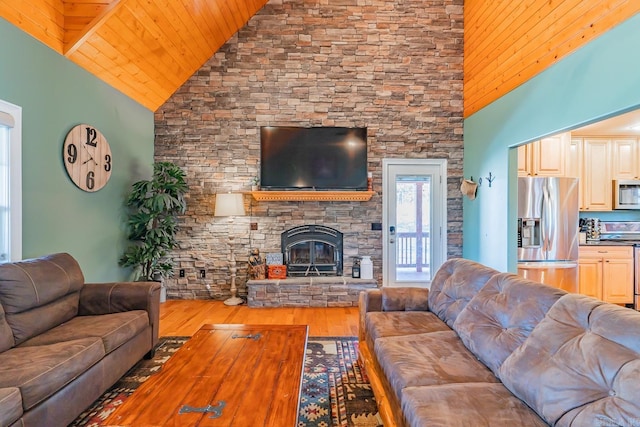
{"type": "Point", "coordinates": [312, 250]}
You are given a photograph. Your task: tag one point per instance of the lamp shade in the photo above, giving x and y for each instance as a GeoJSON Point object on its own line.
{"type": "Point", "coordinates": [229, 204]}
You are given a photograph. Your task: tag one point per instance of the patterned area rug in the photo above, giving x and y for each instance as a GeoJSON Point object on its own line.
{"type": "Point", "coordinates": [335, 391]}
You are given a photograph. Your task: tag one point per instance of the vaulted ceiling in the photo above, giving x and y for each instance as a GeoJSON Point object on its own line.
{"type": "Point", "coordinates": [148, 48]}
{"type": "Point", "coordinates": [145, 48]}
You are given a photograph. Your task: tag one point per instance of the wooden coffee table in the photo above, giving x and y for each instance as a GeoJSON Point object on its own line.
{"type": "Point", "coordinates": [225, 375]}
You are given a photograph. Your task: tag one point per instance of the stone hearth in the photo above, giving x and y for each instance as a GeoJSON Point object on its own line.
{"type": "Point", "coordinates": [336, 291]}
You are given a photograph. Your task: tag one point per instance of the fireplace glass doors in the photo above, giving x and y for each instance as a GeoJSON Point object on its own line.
{"type": "Point", "coordinates": [312, 250]}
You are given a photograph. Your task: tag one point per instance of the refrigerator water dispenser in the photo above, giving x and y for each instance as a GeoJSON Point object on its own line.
{"type": "Point", "coordinates": [528, 232]}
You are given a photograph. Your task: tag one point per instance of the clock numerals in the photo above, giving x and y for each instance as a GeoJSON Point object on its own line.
{"type": "Point", "coordinates": [90, 181]}
{"type": "Point", "coordinates": [92, 136]}
{"type": "Point", "coordinates": [107, 164]}
{"type": "Point", "coordinates": [72, 152]}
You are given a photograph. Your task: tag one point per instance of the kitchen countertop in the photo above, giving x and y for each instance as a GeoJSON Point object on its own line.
{"type": "Point", "coordinates": [612, 243]}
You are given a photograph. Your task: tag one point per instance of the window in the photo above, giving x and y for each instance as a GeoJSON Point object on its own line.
{"type": "Point", "coordinates": [10, 182]}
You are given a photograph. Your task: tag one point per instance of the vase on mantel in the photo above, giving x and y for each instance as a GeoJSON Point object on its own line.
{"type": "Point", "coordinates": [366, 268]}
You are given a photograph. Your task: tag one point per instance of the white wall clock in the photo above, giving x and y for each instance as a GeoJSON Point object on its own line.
{"type": "Point", "coordinates": [87, 158]}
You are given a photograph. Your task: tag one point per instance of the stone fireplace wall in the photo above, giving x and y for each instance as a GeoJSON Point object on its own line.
{"type": "Point", "coordinates": [392, 66]}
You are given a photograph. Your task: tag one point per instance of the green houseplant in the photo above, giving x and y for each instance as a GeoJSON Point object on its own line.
{"type": "Point", "coordinates": [153, 209]}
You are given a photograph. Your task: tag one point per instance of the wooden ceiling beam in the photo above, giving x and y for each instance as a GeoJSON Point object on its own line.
{"type": "Point", "coordinates": [73, 45]}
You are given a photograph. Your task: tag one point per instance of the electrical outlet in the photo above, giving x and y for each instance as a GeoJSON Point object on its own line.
{"type": "Point", "coordinates": [254, 226]}
{"type": "Point", "coordinates": [203, 274]}
{"type": "Point", "coordinates": [181, 274]}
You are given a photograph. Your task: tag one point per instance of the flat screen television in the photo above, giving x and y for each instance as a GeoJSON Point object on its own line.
{"type": "Point", "coordinates": [321, 158]}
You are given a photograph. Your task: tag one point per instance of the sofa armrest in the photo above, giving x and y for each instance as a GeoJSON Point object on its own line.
{"type": "Point", "coordinates": [369, 300]}
{"type": "Point", "coordinates": [105, 298]}
{"type": "Point", "coordinates": [391, 299]}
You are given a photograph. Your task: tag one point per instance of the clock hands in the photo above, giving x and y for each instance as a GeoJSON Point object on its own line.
{"type": "Point", "coordinates": [90, 157]}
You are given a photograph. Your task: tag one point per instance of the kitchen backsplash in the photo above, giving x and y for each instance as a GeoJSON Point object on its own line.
{"type": "Point", "coordinates": [613, 216]}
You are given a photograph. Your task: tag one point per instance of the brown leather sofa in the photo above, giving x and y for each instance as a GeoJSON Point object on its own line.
{"type": "Point", "coordinates": [483, 348]}
{"type": "Point", "coordinates": [63, 342]}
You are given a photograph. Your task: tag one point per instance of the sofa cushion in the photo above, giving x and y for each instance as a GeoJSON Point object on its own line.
{"type": "Point", "coordinates": [114, 329]}
{"type": "Point", "coordinates": [10, 405]}
{"type": "Point", "coordinates": [581, 364]}
{"type": "Point", "coordinates": [467, 404]}
{"type": "Point", "coordinates": [41, 371]}
{"type": "Point", "coordinates": [394, 323]}
{"type": "Point", "coordinates": [405, 299]}
{"type": "Point", "coordinates": [428, 359]}
{"type": "Point", "coordinates": [38, 294]}
{"type": "Point", "coordinates": [502, 315]}
{"type": "Point", "coordinates": [6, 334]}
{"type": "Point", "coordinates": [453, 286]}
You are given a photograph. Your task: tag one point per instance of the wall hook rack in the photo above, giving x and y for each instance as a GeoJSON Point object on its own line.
{"type": "Point", "coordinates": [490, 178]}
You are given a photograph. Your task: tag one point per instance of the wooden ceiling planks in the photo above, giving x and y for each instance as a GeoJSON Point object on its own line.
{"type": "Point", "coordinates": [507, 43]}
{"type": "Point", "coordinates": [148, 48]}
{"type": "Point", "coordinates": [42, 19]}
{"type": "Point", "coordinates": [78, 14]}
{"type": "Point", "coordinates": [145, 48]}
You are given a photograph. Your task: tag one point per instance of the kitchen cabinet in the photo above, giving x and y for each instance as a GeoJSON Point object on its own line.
{"type": "Point", "coordinates": [624, 156]}
{"type": "Point", "coordinates": [546, 157]}
{"type": "Point", "coordinates": [596, 175]}
{"type": "Point", "coordinates": [597, 161]}
{"type": "Point", "coordinates": [606, 273]}
{"type": "Point", "coordinates": [524, 160]}
{"type": "Point", "coordinates": [574, 167]}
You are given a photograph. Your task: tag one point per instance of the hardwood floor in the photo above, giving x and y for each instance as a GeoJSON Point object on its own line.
{"type": "Point", "coordinates": [185, 317]}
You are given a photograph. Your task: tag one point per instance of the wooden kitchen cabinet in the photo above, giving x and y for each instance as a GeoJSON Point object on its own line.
{"type": "Point", "coordinates": [546, 157]}
{"type": "Point", "coordinates": [590, 276]}
{"type": "Point", "coordinates": [597, 161]}
{"type": "Point", "coordinates": [524, 162]}
{"type": "Point", "coordinates": [624, 156]}
{"type": "Point", "coordinates": [574, 167]}
{"type": "Point", "coordinates": [596, 175]}
{"type": "Point", "coordinates": [606, 273]}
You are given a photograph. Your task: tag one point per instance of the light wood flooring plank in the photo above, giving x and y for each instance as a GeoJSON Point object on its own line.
{"type": "Point", "coordinates": [185, 317]}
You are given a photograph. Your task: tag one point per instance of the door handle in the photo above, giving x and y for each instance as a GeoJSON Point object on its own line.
{"type": "Point", "coordinates": [392, 233]}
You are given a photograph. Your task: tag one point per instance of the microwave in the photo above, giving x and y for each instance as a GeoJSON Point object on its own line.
{"type": "Point", "coordinates": [626, 194]}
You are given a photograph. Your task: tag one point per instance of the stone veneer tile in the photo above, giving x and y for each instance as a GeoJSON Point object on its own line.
{"type": "Point", "coordinates": [394, 67]}
{"type": "Point", "coordinates": [307, 292]}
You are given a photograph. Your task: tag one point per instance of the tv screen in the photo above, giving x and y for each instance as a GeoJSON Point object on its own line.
{"type": "Point", "coordinates": [322, 158]}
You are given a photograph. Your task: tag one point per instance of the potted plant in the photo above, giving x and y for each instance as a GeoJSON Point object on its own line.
{"type": "Point", "coordinates": [153, 209]}
{"type": "Point", "coordinates": [255, 183]}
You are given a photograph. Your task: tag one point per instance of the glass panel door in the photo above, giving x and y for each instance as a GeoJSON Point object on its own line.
{"type": "Point", "coordinates": [414, 220]}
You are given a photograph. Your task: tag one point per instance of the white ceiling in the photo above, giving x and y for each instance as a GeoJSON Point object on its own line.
{"type": "Point", "coordinates": [622, 125]}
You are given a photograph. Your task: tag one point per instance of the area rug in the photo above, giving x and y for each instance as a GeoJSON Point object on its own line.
{"type": "Point", "coordinates": [335, 390]}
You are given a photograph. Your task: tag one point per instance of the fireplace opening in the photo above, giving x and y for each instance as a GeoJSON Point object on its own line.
{"type": "Point", "coordinates": [312, 250]}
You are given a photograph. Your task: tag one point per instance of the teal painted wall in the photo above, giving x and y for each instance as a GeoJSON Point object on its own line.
{"type": "Point", "coordinates": [55, 95]}
{"type": "Point", "coordinates": [600, 80]}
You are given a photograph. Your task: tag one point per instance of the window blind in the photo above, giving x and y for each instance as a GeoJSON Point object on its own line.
{"type": "Point", "coordinates": [7, 119]}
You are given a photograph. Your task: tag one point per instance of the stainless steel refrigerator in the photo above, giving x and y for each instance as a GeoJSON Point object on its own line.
{"type": "Point", "coordinates": [548, 231]}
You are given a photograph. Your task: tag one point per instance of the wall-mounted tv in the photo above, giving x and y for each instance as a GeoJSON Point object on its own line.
{"type": "Point", "coordinates": [321, 158]}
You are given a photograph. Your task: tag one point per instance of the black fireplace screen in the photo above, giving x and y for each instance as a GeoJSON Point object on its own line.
{"type": "Point", "coordinates": [312, 249]}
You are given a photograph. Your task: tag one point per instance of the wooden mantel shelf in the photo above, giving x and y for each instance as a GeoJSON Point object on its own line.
{"type": "Point", "coordinates": [312, 196]}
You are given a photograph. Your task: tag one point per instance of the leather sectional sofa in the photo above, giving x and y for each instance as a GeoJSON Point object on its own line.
{"type": "Point", "coordinates": [483, 348]}
{"type": "Point", "coordinates": [63, 342]}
